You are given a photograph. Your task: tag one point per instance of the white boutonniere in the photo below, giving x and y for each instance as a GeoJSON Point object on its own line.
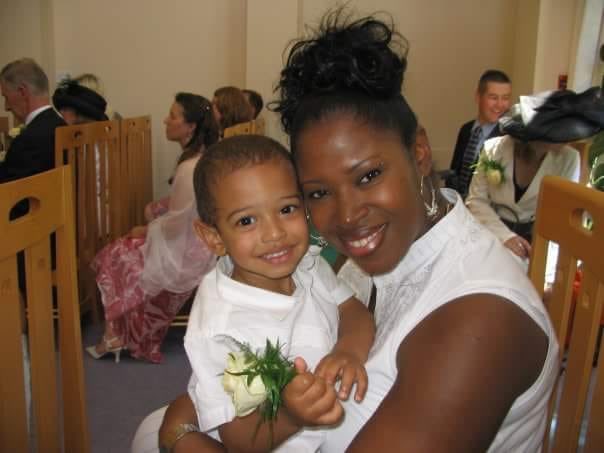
{"type": "Point", "coordinates": [254, 380]}
{"type": "Point", "coordinates": [13, 132]}
{"type": "Point", "coordinates": [493, 169]}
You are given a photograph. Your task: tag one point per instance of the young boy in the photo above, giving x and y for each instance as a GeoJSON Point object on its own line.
{"type": "Point", "coordinates": [268, 285]}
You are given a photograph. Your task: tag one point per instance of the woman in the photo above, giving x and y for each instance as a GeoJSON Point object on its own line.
{"type": "Point", "coordinates": [91, 81]}
{"type": "Point", "coordinates": [145, 277]}
{"type": "Point", "coordinates": [444, 373]}
{"type": "Point", "coordinates": [231, 107]}
{"type": "Point", "coordinates": [504, 190]}
{"type": "Point", "coordinates": [78, 104]}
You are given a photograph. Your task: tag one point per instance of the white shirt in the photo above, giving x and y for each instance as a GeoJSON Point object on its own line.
{"type": "Point", "coordinates": [454, 258]}
{"type": "Point", "coordinates": [306, 325]}
{"type": "Point", "coordinates": [35, 113]}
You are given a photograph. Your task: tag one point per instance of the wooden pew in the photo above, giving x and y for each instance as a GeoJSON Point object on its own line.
{"type": "Point", "coordinates": [57, 393]}
{"type": "Point", "coordinates": [137, 169]}
{"type": "Point", "coordinates": [560, 218]}
{"type": "Point", "coordinates": [4, 125]}
{"type": "Point", "coordinates": [93, 150]}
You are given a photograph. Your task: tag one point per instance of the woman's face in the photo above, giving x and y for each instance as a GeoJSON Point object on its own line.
{"type": "Point", "coordinates": [361, 190]}
{"type": "Point", "coordinates": [177, 128]}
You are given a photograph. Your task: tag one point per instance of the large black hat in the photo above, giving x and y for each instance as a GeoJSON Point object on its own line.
{"type": "Point", "coordinates": [83, 100]}
{"type": "Point", "coordinates": [555, 116]}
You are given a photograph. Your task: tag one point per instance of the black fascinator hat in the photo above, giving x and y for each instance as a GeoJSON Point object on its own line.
{"type": "Point", "coordinates": [555, 116]}
{"type": "Point", "coordinates": [86, 102]}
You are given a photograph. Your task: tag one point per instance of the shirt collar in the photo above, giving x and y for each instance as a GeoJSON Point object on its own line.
{"type": "Point", "coordinates": [429, 245]}
{"type": "Point", "coordinates": [487, 128]}
{"type": "Point", "coordinates": [35, 113]}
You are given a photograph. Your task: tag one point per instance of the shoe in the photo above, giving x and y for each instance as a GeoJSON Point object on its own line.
{"type": "Point", "coordinates": [107, 343]}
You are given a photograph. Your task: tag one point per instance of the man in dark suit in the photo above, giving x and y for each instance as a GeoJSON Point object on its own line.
{"type": "Point", "coordinates": [493, 97]}
{"type": "Point", "coordinates": [24, 86]}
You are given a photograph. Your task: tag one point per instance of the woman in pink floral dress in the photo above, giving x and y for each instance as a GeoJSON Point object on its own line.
{"type": "Point", "coordinates": [145, 277]}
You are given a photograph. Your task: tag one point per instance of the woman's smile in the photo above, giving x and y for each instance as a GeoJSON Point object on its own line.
{"type": "Point", "coordinates": [365, 243]}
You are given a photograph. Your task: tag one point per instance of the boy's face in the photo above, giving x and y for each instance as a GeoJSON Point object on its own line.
{"type": "Point", "coordinates": [260, 224]}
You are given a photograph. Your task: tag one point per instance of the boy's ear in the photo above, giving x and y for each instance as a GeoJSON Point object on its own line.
{"type": "Point", "coordinates": [211, 237]}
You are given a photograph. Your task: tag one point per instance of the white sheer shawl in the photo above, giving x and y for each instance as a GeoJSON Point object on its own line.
{"type": "Point", "coordinates": [175, 259]}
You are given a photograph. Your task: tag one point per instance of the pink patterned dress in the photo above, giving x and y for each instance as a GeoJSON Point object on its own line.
{"type": "Point", "coordinates": [145, 282]}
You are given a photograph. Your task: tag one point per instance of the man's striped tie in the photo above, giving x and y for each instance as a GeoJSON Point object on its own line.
{"type": "Point", "coordinates": [469, 157]}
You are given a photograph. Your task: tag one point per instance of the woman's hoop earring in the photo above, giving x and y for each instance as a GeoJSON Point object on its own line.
{"type": "Point", "coordinates": [432, 208]}
{"type": "Point", "coordinates": [319, 240]}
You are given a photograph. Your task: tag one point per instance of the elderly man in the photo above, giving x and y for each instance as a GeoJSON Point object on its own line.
{"type": "Point", "coordinates": [24, 86]}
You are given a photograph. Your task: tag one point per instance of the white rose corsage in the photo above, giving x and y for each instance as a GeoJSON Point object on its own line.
{"type": "Point", "coordinates": [14, 131]}
{"type": "Point", "coordinates": [493, 169]}
{"type": "Point", "coordinates": [254, 380]}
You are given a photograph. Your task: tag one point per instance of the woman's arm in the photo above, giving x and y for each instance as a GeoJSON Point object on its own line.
{"type": "Point", "coordinates": [459, 372]}
{"type": "Point", "coordinates": [309, 399]}
{"type": "Point", "coordinates": [181, 411]}
{"type": "Point", "coordinates": [238, 435]}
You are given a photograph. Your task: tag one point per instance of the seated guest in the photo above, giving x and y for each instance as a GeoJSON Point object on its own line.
{"type": "Point", "coordinates": [94, 83]}
{"type": "Point", "coordinates": [230, 107]}
{"type": "Point", "coordinates": [504, 191]}
{"type": "Point", "coordinates": [493, 99]}
{"type": "Point", "coordinates": [78, 104]}
{"type": "Point", "coordinates": [24, 86]}
{"type": "Point", "coordinates": [146, 277]}
{"type": "Point", "coordinates": [179, 123]}
{"type": "Point", "coordinates": [255, 101]}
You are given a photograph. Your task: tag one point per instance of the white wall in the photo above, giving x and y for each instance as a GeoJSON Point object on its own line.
{"type": "Point", "coordinates": [554, 41]}
{"type": "Point", "coordinates": [451, 44]}
{"type": "Point", "coordinates": [271, 24]}
{"type": "Point", "coordinates": [20, 32]}
{"type": "Point", "coordinates": [147, 50]}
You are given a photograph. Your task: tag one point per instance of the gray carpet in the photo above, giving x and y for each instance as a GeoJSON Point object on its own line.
{"type": "Point", "coordinates": [119, 396]}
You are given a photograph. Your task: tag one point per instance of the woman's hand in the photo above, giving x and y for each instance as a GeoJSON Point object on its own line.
{"type": "Point", "coordinates": [137, 232]}
{"type": "Point", "coordinates": [310, 399]}
{"type": "Point", "coordinates": [346, 367]}
{"type": "Point", "coordinates": [519, 246]}
{"type": "Point", "coordinates": [149, 216]}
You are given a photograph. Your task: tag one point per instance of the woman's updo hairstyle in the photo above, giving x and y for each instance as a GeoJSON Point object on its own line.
{"type": "Point", "coordinates": [347, 66]}
{"type": "Point", "coordinates": [197, 110]}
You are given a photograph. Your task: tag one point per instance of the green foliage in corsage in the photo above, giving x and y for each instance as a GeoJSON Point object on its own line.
{"type": "Point", "coordinates": [493, 169]}
{"type": "Point", "coordinates": [596, 162]}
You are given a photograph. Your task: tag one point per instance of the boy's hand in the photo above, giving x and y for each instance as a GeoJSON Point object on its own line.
{"type": "Point", "coordinates": [310, 399]}
{"type": "Point", "coordinates": [346, 367]}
